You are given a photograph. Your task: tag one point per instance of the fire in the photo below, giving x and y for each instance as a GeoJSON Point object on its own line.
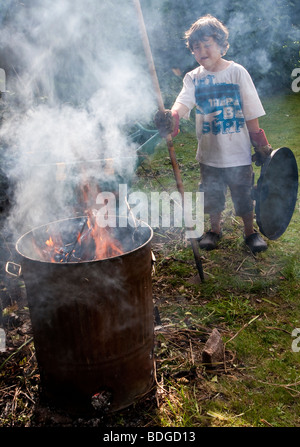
{"type": "Point", "coordinates": [50, 242]}
{"type": "Point", "coordinates": [105, 245]}
{"type": "Point", "coordinates": [92, 243]}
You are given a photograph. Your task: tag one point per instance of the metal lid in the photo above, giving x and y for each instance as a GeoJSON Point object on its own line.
{"type": "Point", "coordinates": [276, 193]}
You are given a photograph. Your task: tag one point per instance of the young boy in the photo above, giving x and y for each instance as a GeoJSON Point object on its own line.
{"type": "Point", "coordinates": [227, 112]}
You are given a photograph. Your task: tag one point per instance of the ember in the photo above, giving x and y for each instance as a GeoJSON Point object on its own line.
{"type": "Point", "coordinates": [91, 243]}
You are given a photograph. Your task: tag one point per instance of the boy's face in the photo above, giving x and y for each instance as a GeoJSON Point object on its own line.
{"type": "Point", "coordinates": [207, 53]}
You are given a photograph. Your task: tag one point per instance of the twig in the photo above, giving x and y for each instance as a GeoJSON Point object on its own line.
{"type": "Point", "coordinates": [242, 328]}
{"type": "Point", "coordinates": [278, 329]}
{"type": "Point", "coordinates": [76, 241]}
{"type": "Point", "coordinates": [266, 422]}
{"type": "Point", "coordinates": [283, 385]}
{"type": "Point", "coordinates": [238, 332]}
{"type": "Point", "coordinates": [161, 389]}
{"type": "Point", "coordinates": [15, 401]}
{"type": "Point", "coordinates": [192, 353]}
{"type": "Point", "coordinates": [28, 397]}
{"type": "Point", "coordinates": [241, 264]}
{"type": "Point", "coordinates": [287, 386]}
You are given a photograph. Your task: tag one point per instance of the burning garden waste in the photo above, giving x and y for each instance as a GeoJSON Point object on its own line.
{"type": "Point", "coordinates": [92, 243]}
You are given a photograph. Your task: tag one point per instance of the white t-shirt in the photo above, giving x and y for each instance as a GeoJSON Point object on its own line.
{"type": "Point", "coordinates": [224, 101]}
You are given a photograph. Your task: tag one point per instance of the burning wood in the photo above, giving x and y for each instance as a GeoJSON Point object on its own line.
{"type": "Point", "coordinates": [91, 243]}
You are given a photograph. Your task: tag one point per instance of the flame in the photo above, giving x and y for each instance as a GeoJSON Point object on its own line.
{"type": "Point", "coordinates": [91, 243]}
{"type": "Point", "coordinates": [105, 245]}
{"type": "Point", "coordinates": [94, 243]}
{"type": "Point", "coordinates": [50, 242]}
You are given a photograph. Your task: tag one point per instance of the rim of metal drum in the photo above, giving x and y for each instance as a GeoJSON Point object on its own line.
{"type": "Point", "coordinates": [79, 262]}
{"type": "Point", "coordinates": [278, 180]}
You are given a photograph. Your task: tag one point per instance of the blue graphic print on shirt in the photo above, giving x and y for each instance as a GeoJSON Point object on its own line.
{"type": "Point", "coordinates": [221, 106]}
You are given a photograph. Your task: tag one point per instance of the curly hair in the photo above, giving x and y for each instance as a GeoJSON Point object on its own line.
{"type": "Point", "coordinates": [208, 26]}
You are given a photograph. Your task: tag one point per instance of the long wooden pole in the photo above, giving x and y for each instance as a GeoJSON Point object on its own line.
{"type": "Point", "coordinates": [169, 140]}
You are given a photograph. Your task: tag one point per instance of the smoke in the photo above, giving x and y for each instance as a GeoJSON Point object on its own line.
{"type": "Point", "coordinates": [78, 80]}
{"type": "Point", "coordinates": [78, 83]}
{"type": "Point", "coordinates": [266, 43]}
{"type": "Point", "coordinates": [263, 38]}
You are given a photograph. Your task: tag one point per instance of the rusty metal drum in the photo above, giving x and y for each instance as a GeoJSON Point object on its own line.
{"type": "Point", "coordinates": [92, 320]}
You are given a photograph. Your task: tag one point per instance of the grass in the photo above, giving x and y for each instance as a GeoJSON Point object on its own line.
{"type": "Point", "coordinates": [253, 301]}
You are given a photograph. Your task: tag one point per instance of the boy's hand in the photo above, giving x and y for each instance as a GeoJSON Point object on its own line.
{"type": "Point", "coordinates": [262, 147]}
{"type": "Point", "coordinates": [167, 123]}
{"type": "Point", "coordinates": [261, 154]}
